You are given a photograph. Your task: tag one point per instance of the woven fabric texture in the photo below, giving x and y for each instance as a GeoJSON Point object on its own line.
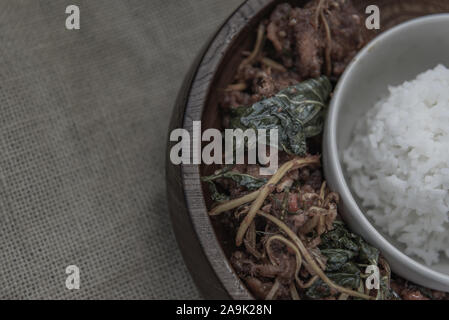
{"type": "Point", "coordinates": [83, 123]}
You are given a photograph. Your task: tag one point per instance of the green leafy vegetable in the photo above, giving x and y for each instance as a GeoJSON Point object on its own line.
{"type": "Point", "coordinates": [386, 292]}
{"type": "Point", "coordinates": [297, 112]}
{"type": "Point", "coordinates": [245, 180]}
{"type": "Point", "coordinates": [348, 276]}
{"type": "Point", "coordinates": [342, 238]}
{"type": "Point", "coordinates": [216, 195]}
{"type": "Point", "coordinates": [337, 258]}
{"type": "Point", "coordinates": [347, 255]}
{"type": "Point", "coordinates": [318, 290]}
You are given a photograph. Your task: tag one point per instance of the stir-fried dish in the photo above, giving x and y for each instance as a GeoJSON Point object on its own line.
{"type": "Point", "coordinates": [290, 242]}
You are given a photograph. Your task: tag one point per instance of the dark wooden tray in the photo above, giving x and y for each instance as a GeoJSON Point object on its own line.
{"type": "Point", "coordinates": [203, 245]}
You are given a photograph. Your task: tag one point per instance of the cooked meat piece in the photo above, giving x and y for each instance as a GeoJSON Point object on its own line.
{"type": "Point", "coordinates": [300, 38]}
{"type": "Point", "coordinates": [409, 291]}
{"type": "Point", "coordinates": [233, 99]}
{"type": "Point", "coordinates": [296, 221]}
{"type": "Point", "coordinates": [315, 180]}
{"type": "Point", "coordinates": [283, 80]}
{"type": "Point", "coordinates": [265, 86]}
{"type": "Point", "coordinates": [348, 33]}
{"type": "Point", "coordinates": [258, 288]}
{"type": "Point", "coordinates": [283, 271]}
{"type": "Point", "coordinates": [408, 294]}
{"type": "Point", "coordinates": [438, 295]}
{"type": "Point", "coordinates": [309, 43]}
{"type": "Point", "coordinates": [279, 32]}
{"type": "Point", "coordinates": [293, 202]}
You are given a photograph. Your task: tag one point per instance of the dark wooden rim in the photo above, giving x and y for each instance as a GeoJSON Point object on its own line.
{"type": "Point", "coordinates": [196, 102]}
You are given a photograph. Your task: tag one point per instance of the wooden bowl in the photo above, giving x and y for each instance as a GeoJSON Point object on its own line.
{"type": "Point", "coordinates": [205, 244]}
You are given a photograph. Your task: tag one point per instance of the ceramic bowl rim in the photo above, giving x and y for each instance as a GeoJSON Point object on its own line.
{"type": "Point", "coordinates": [334, 170]}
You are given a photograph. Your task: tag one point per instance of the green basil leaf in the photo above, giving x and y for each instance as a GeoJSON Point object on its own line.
{"type": "Point", "coordinates": [297, 112]}
{"type": "Point", "coordinates": [242, 179]}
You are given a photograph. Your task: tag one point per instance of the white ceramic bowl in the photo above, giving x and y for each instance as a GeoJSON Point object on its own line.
{"type": "Point", "coordinates": [397, 55]}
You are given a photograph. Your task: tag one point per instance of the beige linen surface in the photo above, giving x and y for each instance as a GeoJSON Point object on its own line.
{"type": "Point", "coordinates": [83, 125]}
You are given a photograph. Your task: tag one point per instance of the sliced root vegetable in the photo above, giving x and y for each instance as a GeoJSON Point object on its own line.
{"type": "Point", "coordinates": [236, 87]}
{"type": "Point", "coordinates": [328, 46]}
{"type": "Point", "coordinates": [268, 188]}
{"type": "Point", "coordinates": [289, 244]}
{"type": "Point", "coordinates": [322, 192]}
{"type": "Point", "coordinates": [273, 64]}
{"type": "Point", "coordinates": [232, 204]}
{"type": "Point", "coordinates": [272, 294]}
{"type": "Point", "coordinates": [258, 46]}
{"type": "Point", "coordinates": [250, 241]}
{"type": "Point", "coordinates": [307, 284]}
{"type": "Point", "coordinates": [310, 261]}
{"type": "Point", "coordinates": [294, 292]}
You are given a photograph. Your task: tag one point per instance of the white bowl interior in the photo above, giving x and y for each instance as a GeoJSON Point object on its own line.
{"type": "Point", "coordinates": [394, 57]}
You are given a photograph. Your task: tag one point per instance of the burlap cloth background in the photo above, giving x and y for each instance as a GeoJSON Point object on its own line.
{"type": "Point", "coordinates": [83, 124]}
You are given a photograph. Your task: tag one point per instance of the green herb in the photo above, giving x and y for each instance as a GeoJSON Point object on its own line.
{"type": "Point", "coordinates": [347, 255]}
{"type": "Point", "coordinates": [337, 258]}
{"type": "Point", "coordinates": [348, 276]}
{"type": "Point", "coordinates": [245, 180]}
{"type": "Point", "coordinates": [297, 112]}
{"type": "Point", "coordinates": [385, 292]}
{"type": "Point", "coordinates": [318, 290]}
{"type": "Point", "coordinates": [342, 238]}
{"type": "Point", "coordinates": [215, 194]}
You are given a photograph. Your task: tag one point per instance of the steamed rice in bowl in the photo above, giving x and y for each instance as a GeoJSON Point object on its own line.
{"type": "Point", "coordinates": [398, 164]}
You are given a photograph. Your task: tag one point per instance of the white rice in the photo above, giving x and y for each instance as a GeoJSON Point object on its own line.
{"type": "Point", "coordinates": [398, 164]}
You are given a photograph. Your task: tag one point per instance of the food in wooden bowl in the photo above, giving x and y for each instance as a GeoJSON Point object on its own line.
{"type": "Point", "coordinates": [280, 235]}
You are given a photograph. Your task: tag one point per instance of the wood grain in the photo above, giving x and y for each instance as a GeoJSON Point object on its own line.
{"type": "Point", "coordinates": [205, 247]}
